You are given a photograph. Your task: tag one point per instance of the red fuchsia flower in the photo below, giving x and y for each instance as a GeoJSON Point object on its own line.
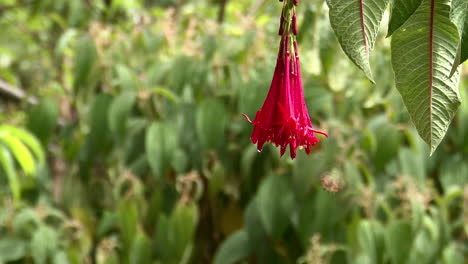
{"type": "Point", "coordinates": [284, 119]}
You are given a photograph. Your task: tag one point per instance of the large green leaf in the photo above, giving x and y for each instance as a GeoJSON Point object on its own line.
{"type": "Point", "coordinates": [422, 49]}
{"type": "Point", "coordinates": [400, 12]}
{"type": "Point", "coordinates": [234, 248]}
{"type": "Point", "coordinates": [356, 24]}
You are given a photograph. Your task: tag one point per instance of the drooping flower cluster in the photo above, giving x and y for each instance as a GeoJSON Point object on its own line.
{"type": "Point", "coordinates": [284, 119]}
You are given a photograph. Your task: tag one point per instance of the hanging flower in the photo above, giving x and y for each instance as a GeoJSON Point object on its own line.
{"type": "Point", "coordinates": [284, 119]}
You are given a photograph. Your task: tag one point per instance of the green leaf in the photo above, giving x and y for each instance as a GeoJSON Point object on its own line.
{"type": "Point", "coordinates": [128, 221]}
{"type": "Point", "coordinates": [20, 152]}
{"type": "Point", "coordinates": [371, 240]}
{"type": "Point", "coordinates": [26, 221]}
{"type": "Point", "coordinates": [164, 249]}
{"type": "Point", "coordinates": [8, 166]}
{"type": "Point", "coordinates": [42, 119]}
{"type": "Point", "coordinates": [253, 224]}
{"type": "Point", "coordinates": [453, 254]}
{"type": "Point", "coordinates": [84, 62]}
{"type": "Point", "coordinates": [356, 24]}
{"type": "Point", "coordinates": [271, 201]}
{"type": "Point", "coordinates": [464, 43]}
{"type": "Point", "coordinates": [233, 249]}
{"type": "Point", "coordinates": [174, 235]}
{"type": "Point", "coordinates": [388, 141]}
{"type": "Point", "coordinates": [118, 114]}
{"type": "Point", "coordinates": [28, 139]}
{"type": "Point", "coordinates": [401, 10]}
{"type": "Point", "coordinates": [411, 164]}
{"type": "Point", "coordinates": [167, 93]}
{"type": "Point", "coordinates": [210, 122]}
{"type": "Point", "coordinates": [459, 17]}
{"type": "Point", "coordinates": [421, 50]}
{"type": "Point", "coordinates": [43, 243]}
{"type": "Point", "coordinates": [160, 143]}
{"type": "Point", "coordinates": [399, 240]}
{"type": "Point", "coordinates": [363, 259]}
{"type": "Point", "coordinates": [453, 172]}
{"type": "Point", "coordinates": [126, 77]}
{"type": "Point", "coordinates": [141, 249]}
{"type": "Point", "coordinates": [106, 223]}
{"type": "Point", "coordinates": [61, 258]}
{"type": "Point", "coordinates": [12, 249]}
{"type": "Point", "coordinates": [98, 132]}
{"type": "Point", "coordinates": [183, 222]}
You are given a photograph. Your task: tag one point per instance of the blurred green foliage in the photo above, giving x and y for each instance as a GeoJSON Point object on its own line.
{"type": "Point", "coordinates": [140, 153]}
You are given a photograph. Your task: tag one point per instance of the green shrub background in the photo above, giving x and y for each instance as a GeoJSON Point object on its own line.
{"type": "Point", "coordinates": [132, 149]}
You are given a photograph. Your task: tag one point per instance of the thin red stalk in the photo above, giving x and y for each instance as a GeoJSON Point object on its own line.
{"type": "Point", "coordinates": [363, 28]}
{"type": "Point", "coordinates": [431, 50]}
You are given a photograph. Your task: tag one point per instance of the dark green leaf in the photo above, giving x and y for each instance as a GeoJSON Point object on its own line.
{"type": "Point", "coordinates": [458, 16]}
{"type": "Point", "coordinates": [399, 239]}
{"type": "Point", "coordinates": [421, 49]}
{"type": "Point", "coordinates": [271, 200]}
{"type": "Point", "coordinates": [234, 248]}
{"type": "Point", "coordinates": [160, 144]}
{"type": "Point", "coordinates": [42, 119]}
{"type": "Point", "coordinates": [127, 215]}
{"type": "Point", "coordinates": [400, 12]}
{"type": "Point", "coordinates": [98, 137]}
{"type": "Point", "coordinates": [119, 112]}
{"type": "Point", "coordinates": [85, 60]}
{"type": "Point", "coordinates": [183, 223]}
{"type": "Point", "coordinates": [210, 121]}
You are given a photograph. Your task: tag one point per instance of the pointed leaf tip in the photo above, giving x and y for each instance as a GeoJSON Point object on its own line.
{"type": "Point", "coordinates": [356, 24]}
{"type": "Point", "coordinates": [420, 50]}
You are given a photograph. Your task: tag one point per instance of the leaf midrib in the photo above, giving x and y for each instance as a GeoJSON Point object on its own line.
{"type": "Point", "coordinates": [431, 62]}
{"type": "Point", "coordinates": [363, 26]}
